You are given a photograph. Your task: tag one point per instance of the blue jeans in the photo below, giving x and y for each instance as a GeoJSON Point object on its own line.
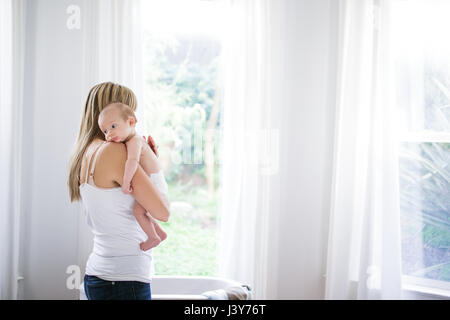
{"type": "Point", "coordinates": [99, 289]}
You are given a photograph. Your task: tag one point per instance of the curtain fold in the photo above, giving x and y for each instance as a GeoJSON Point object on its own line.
{"type": "Point", "coordinates": [12, 22]}
{"type": "Point", "coordinates": [251, 71]}
{"type": "Point", "coordinates": [364, 248]}
{"type": "Point", "coordinates": [112, 41]}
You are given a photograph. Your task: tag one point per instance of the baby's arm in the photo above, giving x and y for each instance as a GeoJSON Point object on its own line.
{"type": "Point", "coordinates": [134, 147]}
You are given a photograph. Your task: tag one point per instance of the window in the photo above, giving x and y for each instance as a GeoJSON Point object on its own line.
{"type": "Point", "coordinates": [422, 70]}
{"type": "Point", "coordinates": [182, 50]}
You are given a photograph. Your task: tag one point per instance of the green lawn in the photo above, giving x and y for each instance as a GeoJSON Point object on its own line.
{"type": "Point", "coordinates": [191, 244]}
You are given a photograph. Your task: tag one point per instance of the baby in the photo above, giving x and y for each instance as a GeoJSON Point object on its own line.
{"type": "Point", "coordinates": [117, 122]}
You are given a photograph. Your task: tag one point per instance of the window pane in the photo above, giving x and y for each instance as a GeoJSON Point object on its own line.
{"type": "Point", "coordinates": [422, 54]}
{"type": "Point", "coordinates": [181, 56]}
{"type": "Point", "coordinates": [425, 207]}
{"type": "Point", "coordinates": [422, 68]}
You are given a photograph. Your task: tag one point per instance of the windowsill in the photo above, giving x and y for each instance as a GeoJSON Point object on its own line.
{"type": "Point", "coordinates": [418, 292]}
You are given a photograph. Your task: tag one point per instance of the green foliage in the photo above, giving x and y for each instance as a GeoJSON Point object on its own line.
{"type": "Point", "coordinates": [179, 96]}
{"type": "Point", "coordinates": [190, 248]}
{"type": "Point", "coordinates": [425, 205]}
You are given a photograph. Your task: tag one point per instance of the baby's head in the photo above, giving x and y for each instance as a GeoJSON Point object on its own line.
{"type": "Point", "coordinates": [117, 122]}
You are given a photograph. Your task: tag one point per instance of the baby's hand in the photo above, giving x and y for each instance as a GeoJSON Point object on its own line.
{"type": "Point", "coordinates": [126, 188]}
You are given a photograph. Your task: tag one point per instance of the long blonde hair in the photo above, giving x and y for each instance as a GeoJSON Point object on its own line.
{"type": "Point", "coordinates": [99, 97]}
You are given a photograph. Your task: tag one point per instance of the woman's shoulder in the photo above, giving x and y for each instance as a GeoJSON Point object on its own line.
{"type": "Point", "coordinates": [109, 160]}
{"type": "Point", "coordinates": [109, 150]}
{"type": "Point", "coordinates": [114, 150]}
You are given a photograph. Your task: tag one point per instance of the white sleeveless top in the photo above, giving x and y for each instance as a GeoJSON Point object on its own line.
{"type": "Point", "coordinates": [116, 254]}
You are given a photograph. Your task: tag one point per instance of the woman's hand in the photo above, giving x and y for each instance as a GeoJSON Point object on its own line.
{"type": "Point", "coordinates": [151, 143]}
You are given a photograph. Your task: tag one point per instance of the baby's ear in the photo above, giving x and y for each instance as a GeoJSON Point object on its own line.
{"type": "Point", "coordinates": [132, 121]}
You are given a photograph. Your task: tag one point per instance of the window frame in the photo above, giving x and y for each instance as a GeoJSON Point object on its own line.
{"type": "Point", "coordinates": [417, 284]}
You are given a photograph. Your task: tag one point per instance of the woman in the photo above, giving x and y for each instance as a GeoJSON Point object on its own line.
{"type": "Point", "coordinates": [117, 268]}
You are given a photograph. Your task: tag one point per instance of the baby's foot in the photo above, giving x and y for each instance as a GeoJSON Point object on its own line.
{"type": "Point", "coordinates": [150, 243]}
{"type": "Point", "coordinates": [162, 235]}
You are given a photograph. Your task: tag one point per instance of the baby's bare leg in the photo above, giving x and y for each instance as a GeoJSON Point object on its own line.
{"type": "Point", "coordinates": [158, 233]}
{"type": "Point", "coordinates": [162, 235]}
{"type": "Point", "coordinates": [148, 226]}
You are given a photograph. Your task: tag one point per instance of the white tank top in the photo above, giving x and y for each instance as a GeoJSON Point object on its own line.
{"type": "Point", "coordinates": [116, 255]}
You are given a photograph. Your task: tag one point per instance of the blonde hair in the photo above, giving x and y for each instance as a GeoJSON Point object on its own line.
{"type": "Point", "coordinates": [99, 97]}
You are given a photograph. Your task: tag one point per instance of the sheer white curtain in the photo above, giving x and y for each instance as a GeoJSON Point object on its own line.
{"type": "Point", "coordinates": [11, 78]}
{"type": "Point", "coordinates": [252, 66]}
{"type": "Point", "coordinates": [113, 46]}
{"type": "Point", "coordinates": [112, 38]}
{"type": "Point", "coordinates": [364, 249]}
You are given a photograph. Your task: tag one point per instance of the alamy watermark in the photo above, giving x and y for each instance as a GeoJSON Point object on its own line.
{"type": "Point", "coordinates": [73, 281]}
{"type": "Point", "coordinates": [74, 19]}
{"type": "Point", "coordinates": [258, 148]}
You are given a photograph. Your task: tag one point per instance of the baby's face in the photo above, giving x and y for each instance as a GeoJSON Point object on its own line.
{"type": "Point", "coordinates": [114, 127]}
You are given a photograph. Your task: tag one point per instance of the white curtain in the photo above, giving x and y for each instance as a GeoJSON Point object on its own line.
{"type": "Point", "coordinates": [364, 249]}
{"type": "Point", "coordinates": [113, 46]}
{"type": "Point", "coordinates": [11, 78]}
{"type": "Point", "coordinates": [112, 38]}
{"type": "Point", "coordinates": [252, 66]}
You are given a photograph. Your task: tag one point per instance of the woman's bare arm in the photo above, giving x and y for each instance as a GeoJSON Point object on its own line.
{"type": "Point", "coordinates": [143, 190]}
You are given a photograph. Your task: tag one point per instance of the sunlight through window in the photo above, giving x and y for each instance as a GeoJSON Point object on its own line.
{"type": "Point", "coordinates": [182, 42]}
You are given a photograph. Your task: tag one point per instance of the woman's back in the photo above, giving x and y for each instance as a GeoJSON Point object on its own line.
{"type": "Point", "coordinates": [109, 214]}
{"type": "Point", "coordinates": [116, 252]}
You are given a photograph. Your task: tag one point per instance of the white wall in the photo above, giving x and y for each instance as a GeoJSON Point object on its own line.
{"type": "Point", "coordinates": [54, 99]}
{"type": "Point", "coordinates": [53, 104]}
